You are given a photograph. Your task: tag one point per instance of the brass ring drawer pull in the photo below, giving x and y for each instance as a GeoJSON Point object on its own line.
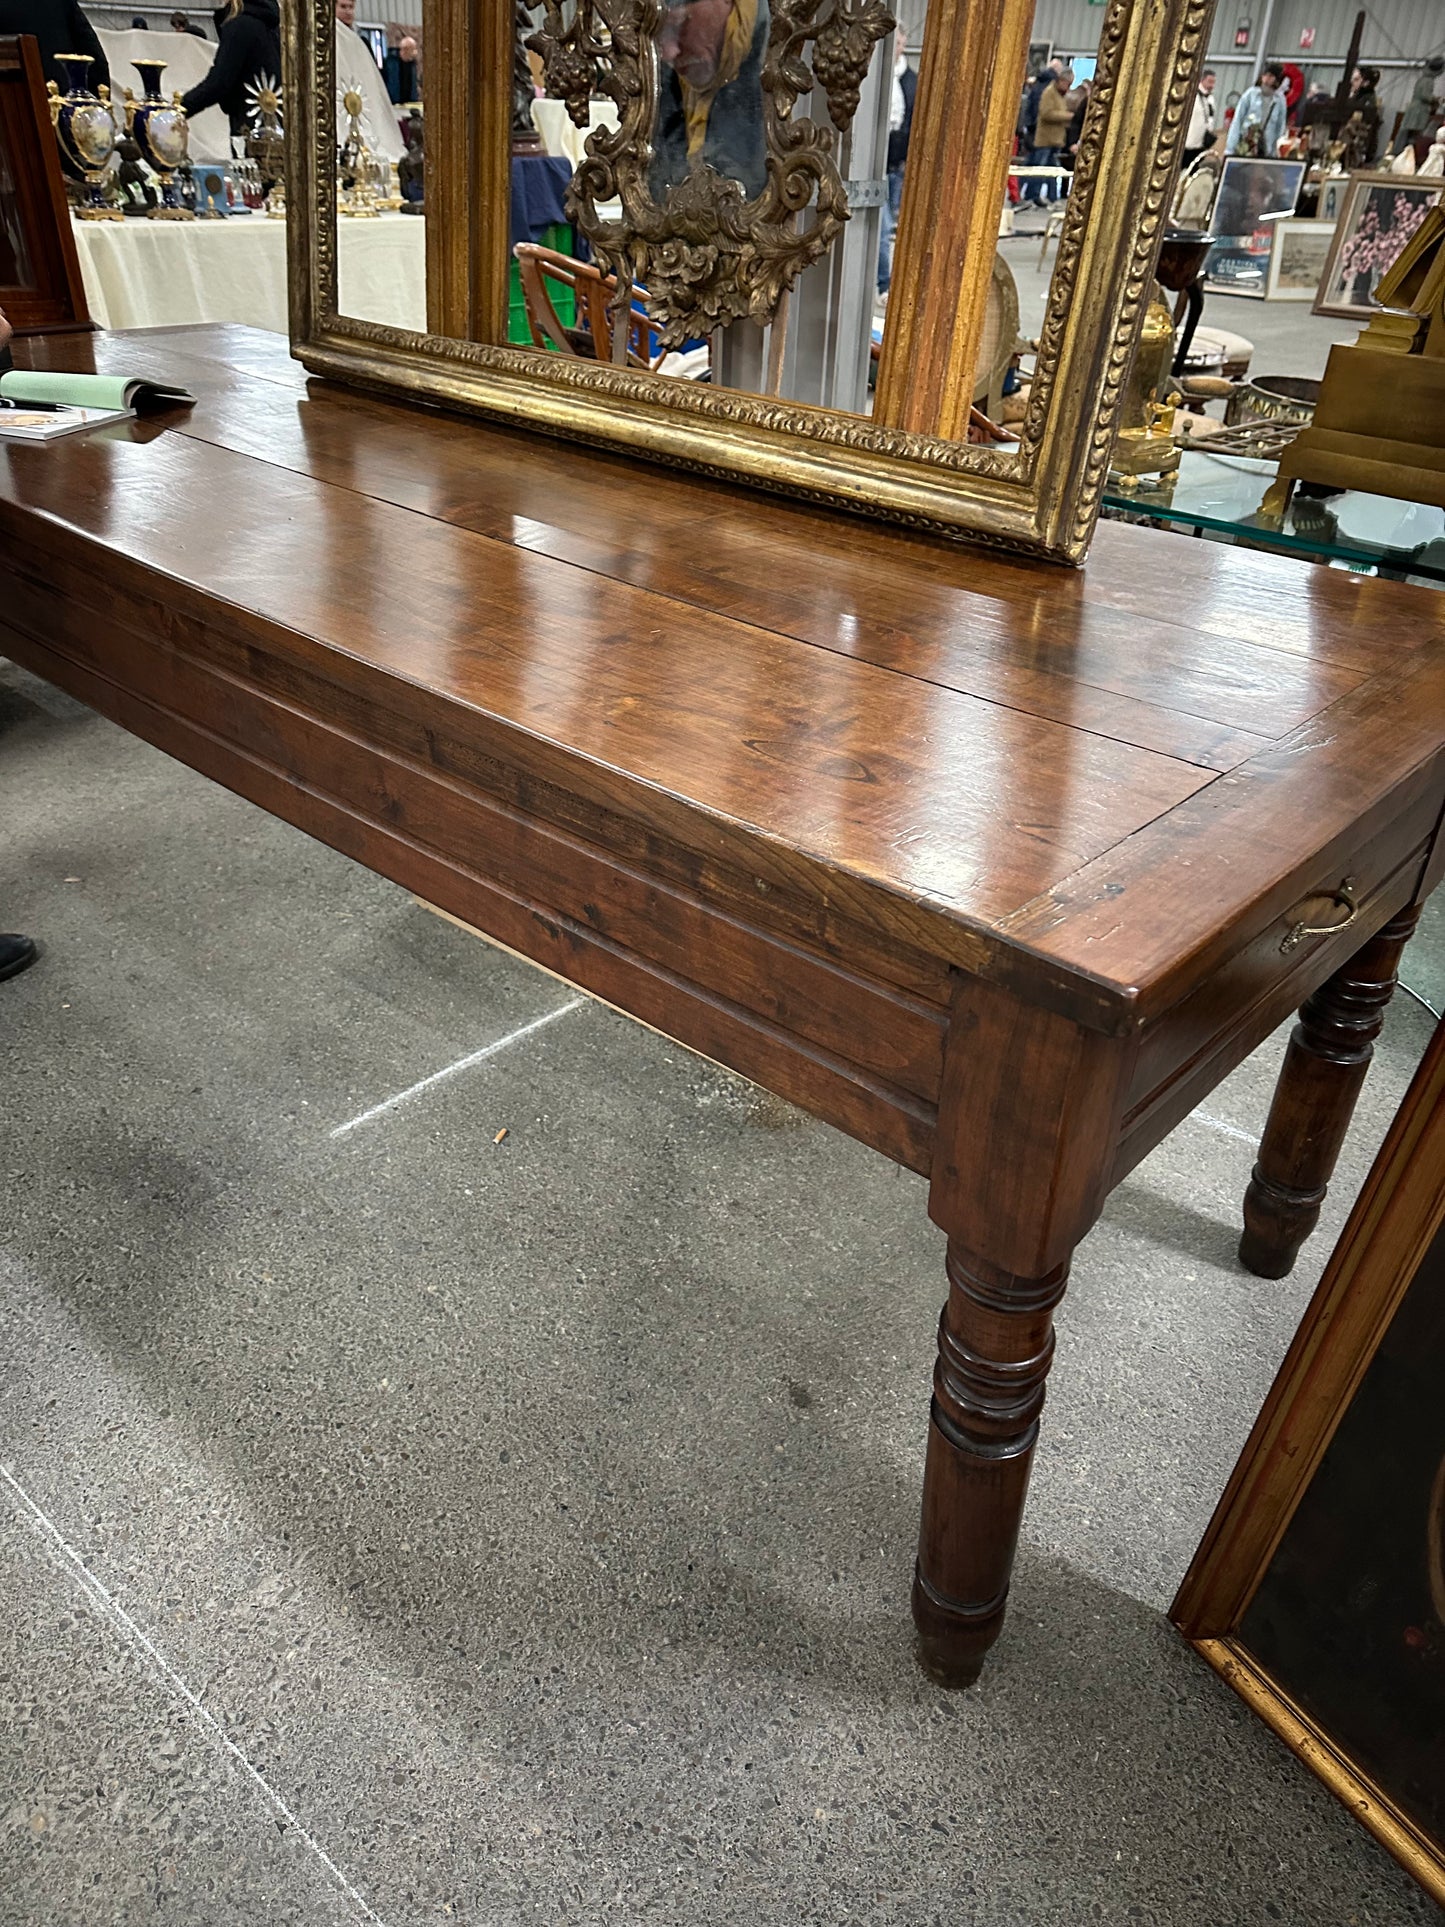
{"type": "Point", "coordinates": [1345, 897]}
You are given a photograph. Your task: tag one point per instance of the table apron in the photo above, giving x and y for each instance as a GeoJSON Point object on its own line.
{"type": "Point", "coordinates": [858, 1053]}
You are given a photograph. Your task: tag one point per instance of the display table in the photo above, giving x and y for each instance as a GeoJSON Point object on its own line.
{"type": "Point", "coordinates": [141, 273]}
{"type": "Point", "coordinates": [1222, 494]}
{"type": "Point", "coordinates": [153, 274]}
{"type": "Point", "coordinates": [997, 866]}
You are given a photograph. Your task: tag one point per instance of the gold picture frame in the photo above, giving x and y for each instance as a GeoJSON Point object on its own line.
{"type": "Point", "coordinates": [1042, 494]}
{"type": "Point", "coordinates": [1304, 1467]}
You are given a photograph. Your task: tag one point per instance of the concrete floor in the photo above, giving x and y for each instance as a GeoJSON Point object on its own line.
{"type": "Point", "coordinates": [403, 1526]}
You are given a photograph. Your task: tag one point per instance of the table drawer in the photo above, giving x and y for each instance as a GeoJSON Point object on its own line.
{"type": "Point", "coordinates": [1187, 1050]}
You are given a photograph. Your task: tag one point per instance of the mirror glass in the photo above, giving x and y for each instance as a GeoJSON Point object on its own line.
{"type": "Point", "coordinates": [378, 140]}
{"type": "Point", "coordinates": [708, 190]}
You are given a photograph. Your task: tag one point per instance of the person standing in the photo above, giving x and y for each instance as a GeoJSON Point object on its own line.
{"type": "Point", "coordinates": [1424, 109]}
{"type": "Point", "coordinates": [1079, 101]}
{"type": "Point", "coordinates": [1051, 131]}
{"type": "Point", "coordinates": [1365, 102]}
{"type": "Point", "coordinates": [1260, 118]}
{"type": "Point", "coordinates": [401, 72]}
{"type": "Point", "coordinates": [249, 46]}
{"type": "Point", "coordinates": [1200, 132]}
{"type": "Point", "coordinates": [61, 28]}
{"type": "Point", "coordinates": [900, 131]}
{"type": "Point", "coordinates": [1028, 123]}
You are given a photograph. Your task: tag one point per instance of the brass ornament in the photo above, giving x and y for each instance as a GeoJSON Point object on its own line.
{"type": "Point", "coordinates": [706, 252]}
{"type": "Point", "coordinates": [354, 160]}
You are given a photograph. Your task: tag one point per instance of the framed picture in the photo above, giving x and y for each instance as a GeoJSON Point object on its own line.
{"type": "Point", "coordinates": [1252, 193]}
{"type": "Point", "coordinates": [1253, 197]}
{"type": "Point", "coordinates": [1239, 263]}
{"type": "Point", "coordinates": [1041, 52]}
{"type": "Point", "coordinates": [1297, 260]}
{"type": "Point", "coordinates": [1331, 197]}
{"type": "Point", "coordinates": [1378, 214]}
{"type": "Point", "coordinates": [1318, 1591]}
{"type": "Point", "coordinates": [717, 253]}
{"type": "Point", "coordinates": [40, 285]}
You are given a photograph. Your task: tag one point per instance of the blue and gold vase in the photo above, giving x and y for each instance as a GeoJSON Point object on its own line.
{"type": "Point", "coordinates": [161, 131]}
{"type": "Point", "coordinates": [85, 132]}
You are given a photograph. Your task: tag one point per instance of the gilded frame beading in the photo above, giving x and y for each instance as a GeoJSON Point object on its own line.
{"type": "Point", "coordinates": [1042, 496]}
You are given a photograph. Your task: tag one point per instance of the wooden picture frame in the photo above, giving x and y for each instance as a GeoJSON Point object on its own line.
{"type": "Point", "coordinates": [1356, 204]}
{"type": "Point", "coordinates": [1331, 198]}
{"type": "Point", "coordinates": [1318, 1447]}
{"type": "Point", "coordinates": [910, 460]}
{"type": "Point", "coordinates": [41, 290]}
{"type": "Point", "coordinates": [1297, 260]}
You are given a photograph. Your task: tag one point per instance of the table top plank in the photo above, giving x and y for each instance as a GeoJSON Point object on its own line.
{"type": "Point", "coordinates": [1091, 667]}
{"type": "Point", "coordinates": [898, 782]}
{"type": "Point", "coordinates": [1261, 597]}
{"type": "Point", "coordinates": [625, 521]}
{"type": "Point", "coordinates": [998, 748]}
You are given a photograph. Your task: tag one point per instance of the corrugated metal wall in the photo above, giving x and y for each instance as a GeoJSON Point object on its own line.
{"type": "Point", "coordinates": [1398, 36]}
{"type": "Point", "coordinates": [405, 13]}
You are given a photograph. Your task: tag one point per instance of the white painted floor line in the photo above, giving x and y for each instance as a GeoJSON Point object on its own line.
{"type": "Point", "coordinates": [129, 1630]}
{"type": "Point", "coordinates": [462, 1064]}
{"type": "Point", "coordinates": [1228, 1130]}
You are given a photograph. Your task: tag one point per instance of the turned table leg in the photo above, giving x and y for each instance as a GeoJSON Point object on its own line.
{"type": "Point", "coordinates": [1028, 1121]}
{"type": "Point", "coordinates": [995, 1343]}
{"type": "Point", "coordinates": [1329, 1052]}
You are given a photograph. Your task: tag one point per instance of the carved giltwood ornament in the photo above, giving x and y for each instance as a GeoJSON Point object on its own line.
{"type": "Point", "coordinates": [706, 252]}
{"type": "Point", "coordinates": [1040, 495]}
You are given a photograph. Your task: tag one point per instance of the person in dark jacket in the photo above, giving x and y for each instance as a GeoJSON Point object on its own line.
{"type": "Point", "coordinates": [61, 28]}
{"type": "Point", "coordinates": [248, 32]}
{"type": "Point", "coordinates": [709, 93]}
{"type": "Point", "coordinates": [1365, 102]}
{"type": "Point", "coordinates": [401, 72]}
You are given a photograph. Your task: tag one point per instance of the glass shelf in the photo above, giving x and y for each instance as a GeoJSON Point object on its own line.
{"type": "Point", "coordinates": [1222, 493]}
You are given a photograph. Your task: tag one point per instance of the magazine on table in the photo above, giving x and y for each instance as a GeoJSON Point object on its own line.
{"type": "Point", "coordinates": [40, 405]}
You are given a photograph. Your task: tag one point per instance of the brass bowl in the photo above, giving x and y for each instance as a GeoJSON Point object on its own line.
{"type": "Point", "coordinates": [1273, 398]}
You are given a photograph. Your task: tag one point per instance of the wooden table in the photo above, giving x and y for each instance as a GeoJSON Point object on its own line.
{"type": "Point", "coordinates": [998, 867]}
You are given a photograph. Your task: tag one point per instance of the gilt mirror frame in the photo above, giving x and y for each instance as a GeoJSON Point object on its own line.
{"type": "Point", "coordinates": [1040, 495]}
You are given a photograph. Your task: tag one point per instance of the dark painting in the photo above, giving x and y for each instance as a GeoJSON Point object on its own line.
{"type": "Point", "coordinates": [1350, 1617]}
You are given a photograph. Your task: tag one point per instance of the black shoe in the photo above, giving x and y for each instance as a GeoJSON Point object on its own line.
{"type": "Point", "coordinates": [16, 954]}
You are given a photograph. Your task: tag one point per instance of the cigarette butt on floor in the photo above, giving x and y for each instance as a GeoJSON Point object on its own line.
{"type": "Point", "coordinates": [500, 1135]}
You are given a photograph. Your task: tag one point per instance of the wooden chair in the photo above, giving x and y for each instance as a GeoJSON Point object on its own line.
{"type": "Point", "coordinates": [40, 286]}
{"type": "Point", "coordinates": [1053, 227]}
{"type": "Point", "coordinates": [999, 344]}
{"type": "Point", "coordinates": [590, 336]}
{"type": "Point", "coordinates": [1000, 341]}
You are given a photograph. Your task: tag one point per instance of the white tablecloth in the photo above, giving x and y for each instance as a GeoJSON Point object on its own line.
{"type": "Point", "coordinates": [156, 274]}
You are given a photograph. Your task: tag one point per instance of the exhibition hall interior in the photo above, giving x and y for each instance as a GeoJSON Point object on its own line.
{"type": "Point", "coordinates": [722, 774]}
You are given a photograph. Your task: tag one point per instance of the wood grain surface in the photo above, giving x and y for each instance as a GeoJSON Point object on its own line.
{"type": "Point", "coordinates": [994, 866]}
